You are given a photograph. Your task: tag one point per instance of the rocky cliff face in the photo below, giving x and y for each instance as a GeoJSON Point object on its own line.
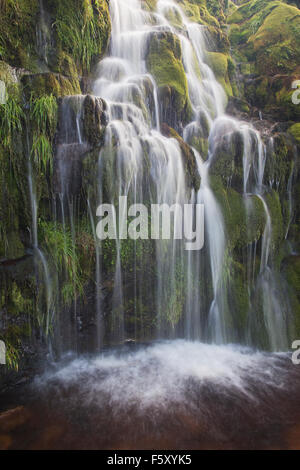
{"type": "Point", "coordinates": [52, 129]}
{"type": "Point", "coordinates": [47, 51]}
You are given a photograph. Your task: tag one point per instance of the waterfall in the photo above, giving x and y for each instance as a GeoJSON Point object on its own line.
{"type": "Point", "coordinates": [216, 244]}
{"type": "Point", "coordinates": [123, 82]}
{"type": "Point", "coordinates": [44, 42]}
{"type": "Point", "coordinates": [187, 293]}
{"type": "Point", "coordinates": [275, 307]}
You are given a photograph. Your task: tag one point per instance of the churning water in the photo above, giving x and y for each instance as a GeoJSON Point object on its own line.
{"type": "Point", "coordinates": [171, 394]}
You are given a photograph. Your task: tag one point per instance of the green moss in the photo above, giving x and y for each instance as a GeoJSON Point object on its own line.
{"type": "Point", "coordinates": [219, 64]}
{"type": "Point", "coordinates": [42, 84]}
{"type": "Point", "coordinates": [291, 271]}
{"type": "Point", "coordinates": [18, 32]}
{"type": "Point", "coordinates": [284, 101]}
{"type": "Point", "coordinates": [274, 205]}
{"type": "Point", "coordinates": [294, 130]}
{"type": "Point", "coordinates": [233, 211]}
{"type": "Point", "coordinates": [279, 162]}
{"type": "Point", "coordinates": [244, 219]}
{"type": "Point", "coordinates": [256, 10]}
{"type": "Point", "coordinates": [256, 218]}
{"type": "Point", "coordinates": [232, 7]}
{"type": "Point", "coordinates": [164, 62]}
{"type": "Point", "coordinates": [149, 5]}
{"type": "Point", "coordinates": [277, 41]}
{"type": "Point", "coordinates": [274, 95]}
{"type": "Point", "coordinates": [174, 17]}
{"type": "Point", "coordinates": [197, 11]}
{"type": "Point", "coordinates": [6, 73]}
{"type": "Point", "coordinates": [82, 29]}
{"type": "Point", "coordinates": [239, 297]}
{"type": "Point", "coordinates": [218, 8]}
{"type": "Point", "coordinates": [269, 33]}
{"type": "Point", "coordinates": [78, 34]}
{"type": "Point", "coordinates": [17, 307]}
{"type": "Point", "coordinates": [227, 160]}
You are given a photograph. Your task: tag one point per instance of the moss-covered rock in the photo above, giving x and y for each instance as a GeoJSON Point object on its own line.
{"type": "Point", "coordinates": [42, 84]}
{"type": "Point", "coordinates": [274, 205]}
{"type": "Point", "coordinates": [94, 120]}
{"type": "Point", "coordinates": [274, 95]}
{"type": "Point", "coordinates": [279, 161]}
{"type": "Point", "coordinates": [189, 159]}
{"type": "Point", "coordinates": [227, 159]}
{"type": "Point", "coordinates": [82, 30]}
{"type": "Point", "coordinates": [219, 64]}
{"type": "Point", "coordinates": [77, 34]}
{"type": "Point", "coordinates": [7, 73]}
{"type": "Point", "coordinates": [291, 271]}
{"type": "Point", "coordinates": [277, 42]}
{"type": "Point", "coordinates": [294, 130]}
{"type": "Point", "coordinates": [197, 11]}
{"type": "Point", "coordinates": [244, 218]}
{"type": "Point", "coordinates": [164, 62]}
{"type": "Point", "coordinates": [268, 34]}
{"type": "Point", "coordinates": [149, 5]}
{"type": "Point", "coordinates": [18, 33]}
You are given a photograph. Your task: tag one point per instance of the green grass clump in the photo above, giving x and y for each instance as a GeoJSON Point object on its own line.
{"type": "Point", "coordinates": [43, 114]}
{"type": "Point", "coordinates": [11, 116]}
{"type": "Point", "coordinates": [58, 243]}
{"type": "Point", "coordinates": [43, 118]}
{"type": "Point", "coordinates": [82, 29]}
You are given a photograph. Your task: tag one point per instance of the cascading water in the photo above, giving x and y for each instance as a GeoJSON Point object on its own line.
{"type": "Point", "coordinates": [125, 85]}
{"type": "Point", "coordinates": [188, 292]}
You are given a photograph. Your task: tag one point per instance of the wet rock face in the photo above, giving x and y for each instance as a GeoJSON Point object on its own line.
{"type": "Point", "coordinates": [40, 84]}
{"type": "Point", "coordinates": [82, 122]}
{"type": "Point", "coordinates": [189, 159]}
{"type": "Point", "coordinates": [273, 95]}
{"type": "Point", "coordinates": [12, 419]}
{"type": "Point", "coordinates": [227, 159]}
{"type": "Point", "coordinates": [17, 269]}
{"type": "Point", "coordinates": [94, 120]}
{"type": "Point", "coordinates": [265, 40]}
{"type": "Point", "coordinates": [68, 168]}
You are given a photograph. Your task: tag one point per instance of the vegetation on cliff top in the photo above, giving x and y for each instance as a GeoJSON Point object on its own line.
{"type": "Point", "coordinates": [267, 33]}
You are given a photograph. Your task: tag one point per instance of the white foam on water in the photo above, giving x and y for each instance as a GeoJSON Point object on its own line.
{"type": "Point", "coordinates": [167, 373]}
